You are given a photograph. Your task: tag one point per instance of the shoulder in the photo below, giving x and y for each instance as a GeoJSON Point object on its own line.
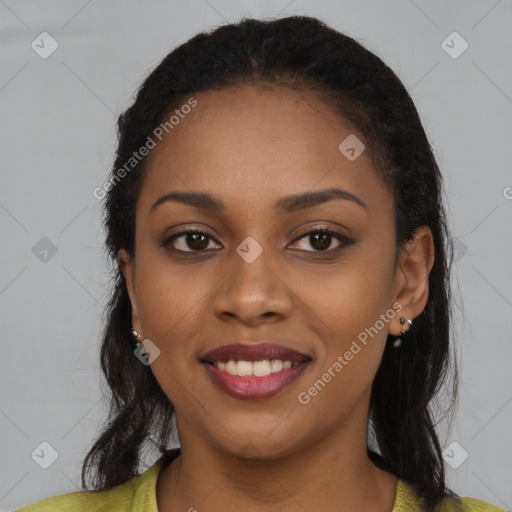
{"type": "Point", "coordinates": [468, 505]}
{"type": "Point", "coordinates": [118, 499]}
{"type": "Point", "coordinates": [407, 500]}
{"type": "Point", "coordinates": [136, 494]}
{"type": "Point", "coordinates": [474, 505]}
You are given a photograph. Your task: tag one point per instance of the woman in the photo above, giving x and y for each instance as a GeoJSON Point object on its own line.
{"type": "Point", "coordinates": [275, 214]}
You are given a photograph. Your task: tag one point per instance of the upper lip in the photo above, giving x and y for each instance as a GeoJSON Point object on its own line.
{"type": "Point", "coordinates": [253, 352]}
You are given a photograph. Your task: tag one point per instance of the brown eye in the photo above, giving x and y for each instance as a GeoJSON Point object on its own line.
{"type": "Point", "coordinates": [189, 241]}
{"type": "Point", "coordinates": [321, 240]}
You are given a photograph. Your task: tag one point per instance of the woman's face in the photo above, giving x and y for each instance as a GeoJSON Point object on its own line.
{"type": "Point", "coordinates": [258, 276]}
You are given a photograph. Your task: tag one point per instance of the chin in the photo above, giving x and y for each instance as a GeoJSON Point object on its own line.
{"type": "Point", "coordinates": [259, 441]}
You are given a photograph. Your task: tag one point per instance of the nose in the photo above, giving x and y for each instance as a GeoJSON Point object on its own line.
{"type": "Point", "coordinates": [253, 293]}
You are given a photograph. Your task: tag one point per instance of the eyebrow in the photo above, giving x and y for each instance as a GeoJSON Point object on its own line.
{"type": "Point", "coordinates": [286, 204]}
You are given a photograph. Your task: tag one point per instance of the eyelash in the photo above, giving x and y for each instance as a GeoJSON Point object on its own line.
{"type": "Point", "coordinates": [338, 236]}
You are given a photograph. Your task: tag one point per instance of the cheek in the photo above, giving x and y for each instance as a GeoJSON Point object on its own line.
{"type": "Point", "coordinates": [352, 307]}
{"type": "Point", "coordinates": [170, 300]}
{"type": "Point", "coordinates": [171, 309]}
{"type": "Point", "coordinates": [348, 297]}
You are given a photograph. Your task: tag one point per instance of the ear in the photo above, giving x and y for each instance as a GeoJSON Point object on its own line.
{"type": "Point", "coordinates": [411, 278]}
{"type": "Point", "coordinates": [127, 266]}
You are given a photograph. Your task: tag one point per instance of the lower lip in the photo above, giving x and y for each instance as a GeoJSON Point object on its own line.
{"type": "Point", "coordinates": [254, 388]}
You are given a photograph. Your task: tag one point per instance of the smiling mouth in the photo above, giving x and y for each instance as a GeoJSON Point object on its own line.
{"type": "Point", "coordinates": [254, 372]}
{"type": "Point", "coordinates": [255, 368]}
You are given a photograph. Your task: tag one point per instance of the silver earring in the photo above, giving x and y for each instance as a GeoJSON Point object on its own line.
{"type": "Point", "coordinates": [137, 336]}
{"type": "Point", "coordinates": [403, 321]}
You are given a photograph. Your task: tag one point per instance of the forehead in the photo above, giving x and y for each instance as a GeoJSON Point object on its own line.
{"type": "Point", "coordinates": [259, 141]}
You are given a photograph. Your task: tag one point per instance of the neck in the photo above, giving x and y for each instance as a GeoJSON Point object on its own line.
{"type": "Point", "coordinates": [334, 473]}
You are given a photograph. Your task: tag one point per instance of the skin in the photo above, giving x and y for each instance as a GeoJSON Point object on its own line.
{"type": "Point", "coordinates": [251, 146]}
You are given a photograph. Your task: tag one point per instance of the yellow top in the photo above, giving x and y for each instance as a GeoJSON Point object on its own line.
{"type": "Point", "coordinates": [139, 495]}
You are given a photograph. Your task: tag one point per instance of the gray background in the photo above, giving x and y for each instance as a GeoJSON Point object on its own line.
{"type": "Point", "coordinates": [58, 139]}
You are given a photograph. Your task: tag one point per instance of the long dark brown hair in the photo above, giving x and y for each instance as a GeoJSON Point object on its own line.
{"type": "Point", "coordinates": [304, 54]}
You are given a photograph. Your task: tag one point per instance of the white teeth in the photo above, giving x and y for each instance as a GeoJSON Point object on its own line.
{"type": "Point", "coordinates": [231, 367]}
{"type": "Point", "coordinates": [261, 368]}
{"type": "Point", "coordinates": [254, 368]}
{"type": "Point", "coordinates": [276, 365]}
{"type": "Point", "coordinates": [243, 368]}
